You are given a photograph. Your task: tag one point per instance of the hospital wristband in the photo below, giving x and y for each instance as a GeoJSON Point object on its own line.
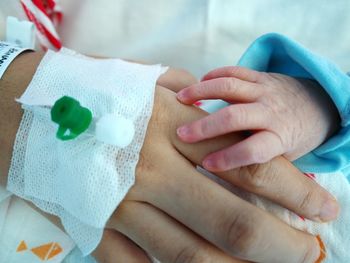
{"type": "Point", "coordinates": [8, 53]}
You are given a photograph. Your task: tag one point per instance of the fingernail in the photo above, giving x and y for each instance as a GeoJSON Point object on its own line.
{"type": "Point", "coordinates": [180, 95]}
{"type": "Point", "coordinates": [329, 210]}
{"type": "Point", "coordinates": [208, 163]}
{"type": "Point", "coordinates": [183, 131]}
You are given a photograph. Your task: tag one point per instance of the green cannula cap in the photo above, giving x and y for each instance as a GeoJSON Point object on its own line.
{"type": "Point", "coordinates": [72, 118]}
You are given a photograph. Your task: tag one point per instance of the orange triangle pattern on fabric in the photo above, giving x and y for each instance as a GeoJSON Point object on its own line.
{"type": "Point", "coordinates": [42, 251]}
{"type": "Point", "coordinates": [55, 251]}
{"type": "Point", "coordinates": [22, 246]}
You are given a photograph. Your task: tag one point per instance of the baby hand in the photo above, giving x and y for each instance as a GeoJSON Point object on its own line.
{"type": "Point", "coordinates": [285, 115]}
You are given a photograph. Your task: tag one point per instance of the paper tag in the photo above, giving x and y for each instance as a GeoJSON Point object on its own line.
{"type": "Point", "coordinates": [20, 33]}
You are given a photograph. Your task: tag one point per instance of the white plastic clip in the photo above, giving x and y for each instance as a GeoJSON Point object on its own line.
{"type": "Point", "coordinates": [20, 33]}
{"type": "Point", "coordinates": [115, 129]}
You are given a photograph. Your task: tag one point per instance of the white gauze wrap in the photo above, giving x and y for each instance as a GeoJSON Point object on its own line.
{"type": "Point", "coordinates": [82, 180]}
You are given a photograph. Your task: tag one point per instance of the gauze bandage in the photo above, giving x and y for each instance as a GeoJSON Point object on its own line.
{"type": "Point", "coordinates": [82, 180]}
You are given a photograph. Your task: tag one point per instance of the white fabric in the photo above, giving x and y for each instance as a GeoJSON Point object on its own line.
{"type": "Point", "coordinates": [197, 35]}
{"type": "Point", "coordinates": [22, 225]}
{"type": "Point", "coordinates": [45, 232]}
{"type": "Point", "coordinates": [200, 35]}
{"type": "Point", "coordinates": [82, 180]}
{"type": "Point", "coordinates": [4, 204]}
{"type": "Point", "coordinates": [3, 193]}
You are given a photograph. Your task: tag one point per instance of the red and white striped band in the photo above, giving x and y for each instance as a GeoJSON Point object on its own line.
{"type": "Point", "coordinates": [45, 14]}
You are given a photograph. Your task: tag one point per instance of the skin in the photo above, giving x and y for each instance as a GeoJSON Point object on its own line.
{"type": "Point", "coordinates": [175, 213]}
{"type": "Point", "coordinates": [287, 116]}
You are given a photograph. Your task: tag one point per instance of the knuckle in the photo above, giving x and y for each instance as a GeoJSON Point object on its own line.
{"type": "Point", "coordinates": [257, 176]}
{"type": "Point", "coordinates": [228, 86]}
{"type": "Point", "coordinates": [240, 234]}
{"type": "Point", "coordinates": [192, 254]}
{"type": "Point", "coordinates": [239, 116]}
{"type": "Point", "coordinates": [227, 115]}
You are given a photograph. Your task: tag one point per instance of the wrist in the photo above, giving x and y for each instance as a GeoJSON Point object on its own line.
{"type": "Point", "coordinates": [12, 84]}
{"type": "Point", "coordinates": [326, 108]}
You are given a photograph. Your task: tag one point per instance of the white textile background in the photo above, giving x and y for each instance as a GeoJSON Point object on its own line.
{"type": "Point", "coordinates": [203, 34]}
{"type": "Point", "coordinates": [206, 33]}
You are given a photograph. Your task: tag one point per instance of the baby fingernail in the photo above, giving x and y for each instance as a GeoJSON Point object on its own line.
{"type": "Point", "coordinates": [329, 210]}
{"type": "Point", "coordinates": [209, 163]}
{"type": "Point", "coordinates": [180, 95]}
{"type": "Point", "coordinates": [183, 131]}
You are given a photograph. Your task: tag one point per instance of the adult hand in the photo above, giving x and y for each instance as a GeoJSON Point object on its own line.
{"type": "Point", "coordinates": [116, 247]}
{"type": "Point", "coordinates": [178, 215]}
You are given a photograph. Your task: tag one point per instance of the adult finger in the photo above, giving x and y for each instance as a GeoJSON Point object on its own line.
{"type": "Point", "coordinates": [176, 79]}
{"type": "Point", "coordinates": [231, 89]}
{"type": "Point", "coordinates": [234, 72]}
{"type": "Point", "coordinates": [277, 180]}
{"type": "Point", "coordinates": [163, 237]}
{"type": "Point", "coordinates": [115, 247]}
{"type": "Point", "coordinates": [237, 117]}
{"type": "Point", "coordinates": [257, 148]}
{"type": "Point", "coordinates": [234, 225]}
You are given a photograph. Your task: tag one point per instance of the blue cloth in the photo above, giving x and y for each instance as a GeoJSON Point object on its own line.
{"type": "Point", "coordinates": [279, 54]}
